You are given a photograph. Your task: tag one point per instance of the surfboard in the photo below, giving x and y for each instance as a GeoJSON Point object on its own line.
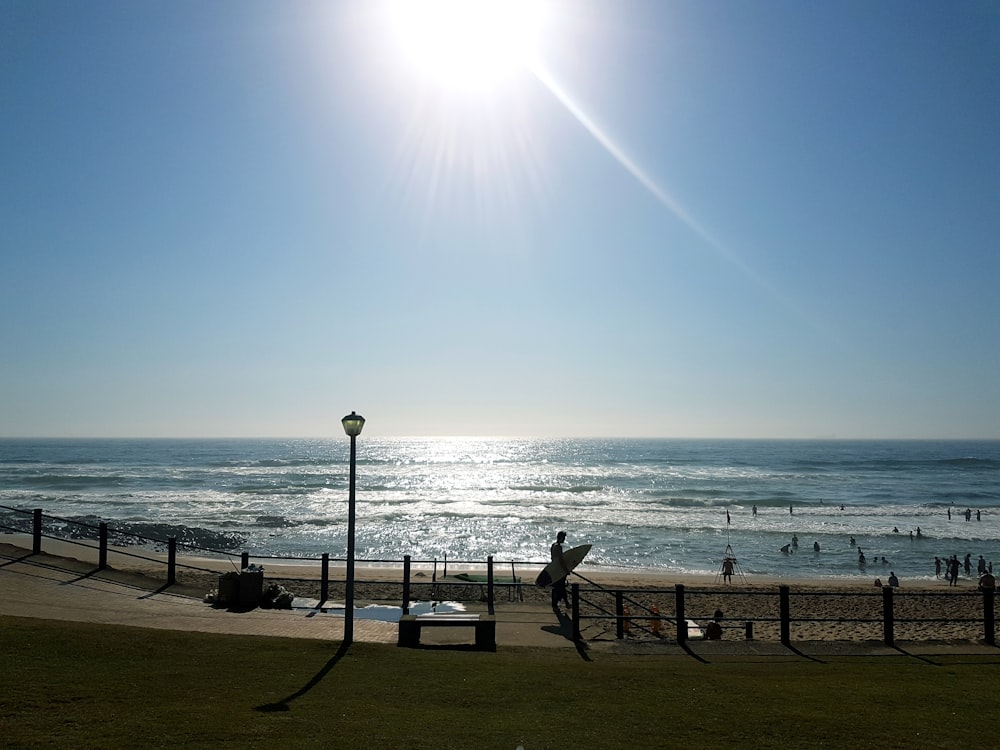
{"type": "Point", "coordinates": [555, 571]}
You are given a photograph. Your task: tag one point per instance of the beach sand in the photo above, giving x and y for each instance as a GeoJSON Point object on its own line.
{"type": "Point", "coordinates": [821, 610]}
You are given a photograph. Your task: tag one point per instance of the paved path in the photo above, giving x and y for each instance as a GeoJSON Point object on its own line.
{"type": "Point", "coordinates": [52, 587]}
{"type": "Point", "coordinates": [57, 588]}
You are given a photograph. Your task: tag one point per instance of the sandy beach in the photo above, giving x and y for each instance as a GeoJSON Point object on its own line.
{"type": "Point", "coordinates": [827, 610]}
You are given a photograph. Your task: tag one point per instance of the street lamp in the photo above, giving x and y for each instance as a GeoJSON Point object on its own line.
{"type": "Point", "coordinates": [352, 426]}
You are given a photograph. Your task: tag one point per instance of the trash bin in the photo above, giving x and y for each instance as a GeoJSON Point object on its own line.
{"type": "Point", "coordinates": [251, 588]}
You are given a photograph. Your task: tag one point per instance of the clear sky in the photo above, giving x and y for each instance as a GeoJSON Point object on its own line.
{"type": "Point", "coordinates": [765, 218]}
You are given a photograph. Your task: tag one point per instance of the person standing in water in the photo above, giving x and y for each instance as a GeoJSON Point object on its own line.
{"type": "Point", "coordinates": [559, 587]}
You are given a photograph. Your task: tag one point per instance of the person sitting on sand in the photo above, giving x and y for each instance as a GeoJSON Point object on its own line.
{"type": "Point", "coordinates": [713, 631]}
{"type": "Point", "coordinates": [893, 581]}
{"type": "Point", "coordinates": [878, 583]}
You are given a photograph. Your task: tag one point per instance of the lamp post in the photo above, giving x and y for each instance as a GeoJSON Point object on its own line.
{"type": "Point", "coordinates": [352, 426]}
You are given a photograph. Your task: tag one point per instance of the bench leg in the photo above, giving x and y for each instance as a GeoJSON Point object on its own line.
{"type": "Point", "coordinates": [409, 634]}
{"type": "Point", "coordinates": [486, 635]}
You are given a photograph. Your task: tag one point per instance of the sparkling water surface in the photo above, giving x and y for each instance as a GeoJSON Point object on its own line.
{"type": "Point", "coordinates": [642, 504]}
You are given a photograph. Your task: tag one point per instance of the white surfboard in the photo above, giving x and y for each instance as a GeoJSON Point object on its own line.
{"type": "Point", "coordinates": [555, 571]}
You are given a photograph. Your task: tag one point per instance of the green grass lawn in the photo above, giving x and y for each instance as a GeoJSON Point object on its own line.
{"type": "Point", "coordinates": [73, 685]}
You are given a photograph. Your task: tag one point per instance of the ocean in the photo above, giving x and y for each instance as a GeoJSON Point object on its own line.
{"type": "Point", "coordinates": [672, 506]}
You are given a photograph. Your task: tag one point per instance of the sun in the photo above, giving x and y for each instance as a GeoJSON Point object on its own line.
{"type": "Point", "coordinates": [467, 44]}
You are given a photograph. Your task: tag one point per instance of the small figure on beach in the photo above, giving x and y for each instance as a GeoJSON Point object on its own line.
{"type": "Point", "coordinates": [968, 514]}
{"type": "Point", "coordinates": [949, 514]}
{"type": "Point", "coordinates": [791, 510]}
{"type": "Point", "coordinates": [815, 546]}
{"type": "Point", "coordinates": [861, 557]}
{"type": "Point", "coordinates": [559, 587]}
{"type": "Point", "coordinates": [937, 567]}
{"type": "Point", "coordinates": [967, 564]}
{"type": "Point", "coordinates": [981, 568]}
{"type": "Point", "coordinates": [787, 549]}
{"type": "Point", "coordinates": [795, 540]}
{"type": "Point", "coordinates": [895, 529]}
{"type": "Point", "coordinates": [893, 581]}
{"type": "Point", "coordinates": [918, 533]}
{"type": "Point", "coordinates": [754, 511]}
{"type": "Point", "coordinates": [853, 542]}
{"type": "Point", "coordinates": [713, 631]}
{"type": "Point", "coordinates": [878, 583]}
{"type": "Point", "coordinates": [979, 515]}
{"type": "Point", "coordinates": [727, 570]}
{"type": "Point", "coordinates": [953, 566]}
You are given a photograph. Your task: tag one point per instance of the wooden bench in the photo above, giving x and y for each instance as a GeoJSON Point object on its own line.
{"type": "Point", "coordinates": [485, 627]}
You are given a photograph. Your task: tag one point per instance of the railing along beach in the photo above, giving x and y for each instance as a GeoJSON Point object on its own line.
{"type": "Point", "coordinates": [632, 612]}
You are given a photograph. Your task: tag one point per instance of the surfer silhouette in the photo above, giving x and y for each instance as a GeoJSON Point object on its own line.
{"type": "Point", "coordinates": [559, 586]}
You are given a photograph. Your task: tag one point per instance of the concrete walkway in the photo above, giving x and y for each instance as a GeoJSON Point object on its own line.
{"type": "Point", "coordinates": [58, 588]}
{"type": "Point", "coordinates": [53, 587]}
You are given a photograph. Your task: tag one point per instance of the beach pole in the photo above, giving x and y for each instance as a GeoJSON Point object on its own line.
{"type": "Point", "coordinates": [785, 614]}
{"type": "Point", "coordinates": [102, 552]}
{"type": "Point", "coordinates": [682, 627]}
{"type": "Point", "coordinates": [406, 584]}
{"type": "Point", "coordinates": [171, 560]}
{"type": "Point", "coordinates": [619, 614]}
{"type": "Point", "coordinates": [888, 617]}
{"type": "Point", "coordinates": [489, 585]}
{"type": "Point", "coordinates": [575, 604]}
{"type": "Point", "coordinates": [324, 579]}
{"type": "Point", "coordinates": [36, 532]}
{"type": "Point", "coordinates": [989, 617]}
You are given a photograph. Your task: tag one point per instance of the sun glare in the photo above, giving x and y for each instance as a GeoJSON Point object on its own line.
{"type": "Point", "coordinates": [467, 44]}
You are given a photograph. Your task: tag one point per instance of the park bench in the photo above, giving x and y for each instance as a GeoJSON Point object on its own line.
{"type": "Point", "coordinates": [485, 628]}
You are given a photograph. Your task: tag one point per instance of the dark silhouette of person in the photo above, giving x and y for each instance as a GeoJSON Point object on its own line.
{"type": "Point", "coordinates": [727, 570]}
{"type": "Point", "coordinates": [559, 586]}
{"type": "Point", "coordinates": [713, 631]}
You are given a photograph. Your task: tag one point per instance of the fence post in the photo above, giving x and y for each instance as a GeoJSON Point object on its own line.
{"type": "Point", "coordinates": [36, 532]}
{"type": "Point", "coordinates": [324, 578]}
{"type": "Point", "coordinates": [489, 585]}
{"type": "Point", "coordinates": [171, 560]}
{"type": "Point", "coordinates": [682, 625]}
{"type": "Point", "coordinates": [575, 604]}
{"type": "Point", "coordinates": [244, 560]}
{"type": "Point", "coordinates": [989, 617]}
{"type": "Point", "coordinates": [785, 614]}
{"type": "Point", "coordinates": [102, 553]}
{"type": "Point", "coordinates": [406, 584]}
{"type": "Point", "coordinates": [619, 614]}
{"type": "Point", "coordinates": [888, 616]}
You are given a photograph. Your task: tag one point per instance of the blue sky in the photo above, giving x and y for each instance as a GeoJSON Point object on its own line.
{"type": "Point", "coordinates": [691, 219]}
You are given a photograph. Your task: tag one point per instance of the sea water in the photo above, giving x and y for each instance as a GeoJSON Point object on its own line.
{"type": "Point", "coordinates": [673, 506]}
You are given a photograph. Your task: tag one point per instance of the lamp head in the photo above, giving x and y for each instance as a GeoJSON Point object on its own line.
{"type": "Point", "coordinates": [353, 424]}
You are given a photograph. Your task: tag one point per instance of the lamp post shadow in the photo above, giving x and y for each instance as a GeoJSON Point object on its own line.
{"type": "Point", "coordinates": [283, 704]}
